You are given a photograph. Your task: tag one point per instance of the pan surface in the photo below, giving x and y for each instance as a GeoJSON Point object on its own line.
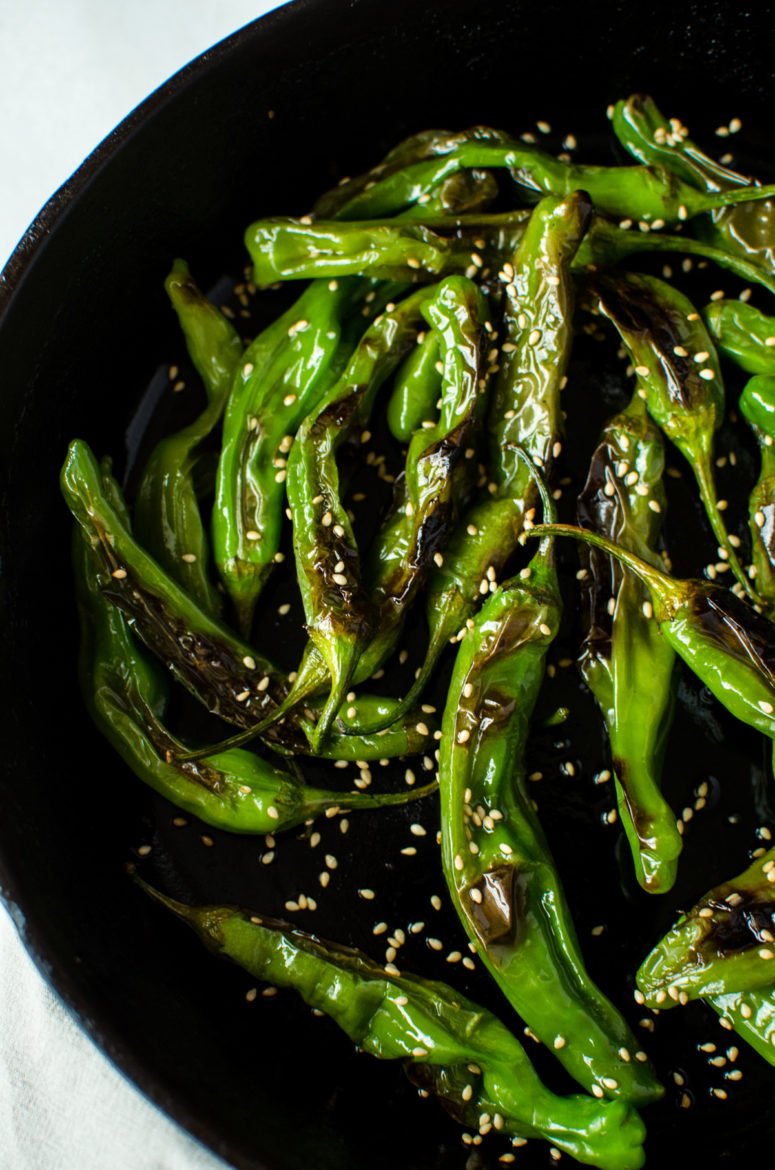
{"type": "Point", "coordinates": [259, 126]}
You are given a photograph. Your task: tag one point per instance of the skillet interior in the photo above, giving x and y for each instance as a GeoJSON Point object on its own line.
{"type": "Point", "coordinates": [84, 325]}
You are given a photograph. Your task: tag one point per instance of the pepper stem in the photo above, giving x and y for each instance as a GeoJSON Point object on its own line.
{"type": "Point", "coordinates": [664, 589]}
{"type": "Point", "coordinates": [318, 799]}
{"type": "Point", "coordinates": [704, 476]}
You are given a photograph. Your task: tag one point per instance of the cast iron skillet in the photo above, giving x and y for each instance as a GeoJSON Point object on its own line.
{"type": "Point", "coordinates": [259, 125]}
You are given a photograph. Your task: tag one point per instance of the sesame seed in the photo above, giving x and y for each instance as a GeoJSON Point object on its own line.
{"type": "Point", "coordinates": [534, 337]}
{"type": "Point", "coordinates": [707, 374]}
{"type": "Point", "coordinates": [766, 707]}
{"type": "Point", "coordinates": [435, 899]}
{"type": "Point", "coordinates": [545, 630]}
{"type": "Point", "coordinates": [409, 851]}
{"type": "Point", "coordinates": [367, 894]}
{"type": "Point", "coordinates": [648, 610]}
{"type": "Point", "coordinates": [559, 1042]}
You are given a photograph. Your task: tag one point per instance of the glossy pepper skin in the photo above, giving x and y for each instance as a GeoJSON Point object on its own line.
{"type": "Point", "coordinates": [126, 692]}
{"type": "Point", "coordinates": [338, 611]}
{"type": "Point", "coordinates": [752, 1015]}
{"type": "Point", "coordinates": [608, 244]}
{"type": "Point", "coordinates": [625, 661]}
{"type": "Point", "coordinates": [725, 943]}
{"type": "Point", "coordinates": [746, 229]}
{"type": "Point", "coordinates": [640, 192]}
{"type": "Point", "coordinates": [226, 675]}
{"type": "Point", "coordinates": [284, 374]}
{"type": "Point", "coordinates": [673, 354]}
{"type": "Point", "coordinates": [743, 333]}
{"type": "Point", "coordinates": [501, 876]}
{"type": "Point", "coordinates": [416, 388]}
{"type": "Point", "coordinates": [524, 412]}
{"type": "Point", "coordinates": [425, 510]}
{"type": "Point", "coordinates": [729, 646]}
{"type": "Point", "coordinates": [166, 512]}
{"type": "Point", "coordinates": [287, 249]}
{"type": "Point", "coordinates": [424, 1024]}
{"type": "Point", "coordinates": [757, 405]}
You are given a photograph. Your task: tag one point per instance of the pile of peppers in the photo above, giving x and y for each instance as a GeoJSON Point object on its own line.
{"type": "Point", "coordinates": [442, 294]}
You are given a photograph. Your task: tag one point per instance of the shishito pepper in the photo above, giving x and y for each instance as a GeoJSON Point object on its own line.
{"type": "Point", "coordinates": [729, 646]}
{"type": "Point", "coordinates": [343, 620]}
{"type": "Point", "coordinates": [524, 412]}
{"type": "Point", "coordinates": [746, 229]}
{"type": "Point", "coordinates": [640, 192]}
{"type": "Point", "coordinates": [743, 333]}
{"type": "Point", "coordinates": [433, 245]}
{"type": "Point", "coordinates": [283, 375]}
{"type": "Point", "coordinates": [126, 691]}
{"type": "Point", "coordinates": [725, 943]}
{"type": "Point", "coordinates": [757, 405]}
{"type": "Point", "coordinates": [625, 661]}
{"type": "Point", "coordinates": [499, 870]}
{"type": "Point", "coordinates": [226, 675]}
{"type": "Point", "coordinates": [752, 1015]}
{"type": "Point", "coordinates": [416, 388]}
{"type": "Point", "coordinates": [426, 1025]}
{"type": "Point", "coordinates": [166, 511]}
{"type": "Point", "coordinates": [674, 357]}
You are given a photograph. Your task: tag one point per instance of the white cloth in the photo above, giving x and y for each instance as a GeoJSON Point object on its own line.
{"type": "Point", "coordinates": [70, 70]}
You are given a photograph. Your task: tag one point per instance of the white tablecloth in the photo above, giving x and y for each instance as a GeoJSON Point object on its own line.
{"type": "Point", "coordinates": [69, 71]}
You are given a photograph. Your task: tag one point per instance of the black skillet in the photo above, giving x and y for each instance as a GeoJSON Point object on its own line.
{"type": "Point", "coordinates": [260, 125]}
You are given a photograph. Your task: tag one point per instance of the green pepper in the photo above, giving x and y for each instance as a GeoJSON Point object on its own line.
{"type": "Point", "coordinates": [422, 1023]}
{"type": "Point", "coordinates": [729, 646]}
{"type": "Point", "coordinates": [626, 662]}
{"type": "Point", "coordinates": [524, 413]}
{"type": "Point", "coordinates": [607, 244]}
{"type": "Point", "coordinates": [744, 334]}
{"type": "Point", "coordinates": [416, 388]}
{"type": "Point", "coordinates": [725, 943]}
{"type": "Point", "coordinates": [752, 1015]}
{"type": "Point", "coordinates": [497, 863]}
{"type": "Point", "coordinates": [640, 192]}
{"type": "Point", "coordinates": [166, 510]}
{"type": "Point", "coordinates": [284, 374]}
{"type": "Point", "coordinates": [747, 229]}
{"type": "Point", "coordinates": [126, 692]}
{"type": "Point", "coordinates": [341, 619]}
{"type": "Point", "coordinates": [228, 676]}
{"type": "Point", "coordinates": [757, 405]}
{"type": "Point", "coordinates": [675, 359]}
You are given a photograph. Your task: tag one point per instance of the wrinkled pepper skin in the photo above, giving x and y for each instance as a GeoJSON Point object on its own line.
{"type": "Point", "coordinates": [664, 335]}
{"type": "Point", "coordinates": [729, 646]}
{"type": "Point", "coordinates": [744, 334]}
{"type": "Point", "coordinates": [338, 611]}
{"type": "Point", "coordinates": [166, 512]}
{"type": "Point", "coordinates": [607, 244]}
{"type": "Point", "coordinates": [422, 1023]}
{"type": "Point", "coordinates": [525, 412]}
{"type": "Point", "coordinates": [226, 675]}
{"type": "Point", "coordinates": [726, 942]}
{"type": "Point", "coordinates": [126, 692]}
{"type": "Point", "coordinates": [746, 229]}
{"type": "Point", "coordinates": [426, 505]}
{"type": "Point", "coordinates": [501, 876]}
{"type": "Point", "coordinates": [285, 372]}
{"type": "Point", "coordinates": [757, 405]}
{"type": "Point", "coordinates": [640, 192]}
{"type": "Point", "coordinates": [625, 661]}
